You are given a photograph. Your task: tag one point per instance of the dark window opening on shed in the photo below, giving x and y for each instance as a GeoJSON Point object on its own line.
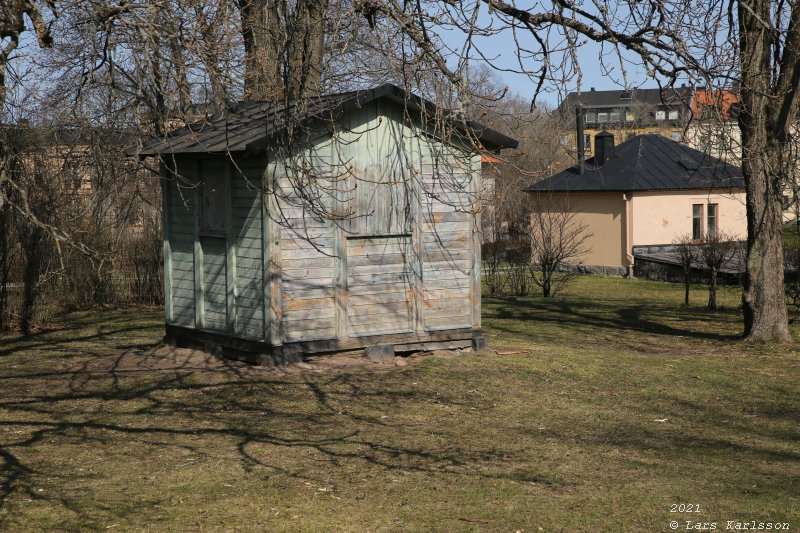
{"type": "Point", "coordinates": [215, 205]}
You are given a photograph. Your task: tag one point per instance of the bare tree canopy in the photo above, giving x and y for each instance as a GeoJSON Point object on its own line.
{"type": "Point", "coordinates": [140, 62]}
{"type": "Point", "coordinates": [747, 45]}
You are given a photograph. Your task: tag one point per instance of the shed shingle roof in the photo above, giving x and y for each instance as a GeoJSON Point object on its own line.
{"type": "Point", "coordinates": [648, 163]}
{"type": "Point", "coordinates": [249, 125]}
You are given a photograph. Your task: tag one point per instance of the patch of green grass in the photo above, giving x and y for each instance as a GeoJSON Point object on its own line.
{"type": "Point", "coordinates": [604, 406]}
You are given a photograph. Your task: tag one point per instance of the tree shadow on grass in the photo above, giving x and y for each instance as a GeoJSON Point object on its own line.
{"type": "Point", "coordinates": [588, 315]}
{"type": "Point", "coordinates": [116, 395]}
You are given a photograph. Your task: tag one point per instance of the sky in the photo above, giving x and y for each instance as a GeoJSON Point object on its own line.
{"type": "Point", "coordinates": [503, 50]}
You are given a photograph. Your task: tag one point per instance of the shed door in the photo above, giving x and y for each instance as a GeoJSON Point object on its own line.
{"type": "Point", "coordinates": [214, 221]}
{"type": "Point", "coordinates": [379, 285]}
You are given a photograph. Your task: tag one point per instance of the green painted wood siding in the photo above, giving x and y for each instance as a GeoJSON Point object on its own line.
{"type": "Point", "coordinates": [407, 261]}
{"type": "Point", "coordinates": [180, 218]}
{"type": "Point", "coordinates": [247, 232]}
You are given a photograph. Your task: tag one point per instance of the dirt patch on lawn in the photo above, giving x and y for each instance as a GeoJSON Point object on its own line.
{"type": "Point", "coordinates": [166, 357]}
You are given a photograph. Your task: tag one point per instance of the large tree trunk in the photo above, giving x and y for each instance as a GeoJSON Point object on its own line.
{"type": "Point", "coordinates": [763, 299]}
{"type": "Point", "coordinates": [307, 47]}
{"type": "Point", "coordinates": [284, 48]}
{"type": "Point", "coordinates": [763, 122]}
{"type": "Point", "coordinates": [264, 40]}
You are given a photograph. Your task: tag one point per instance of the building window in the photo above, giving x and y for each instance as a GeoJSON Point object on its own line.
{"type": "Point", "coordinates": [590, 117]}
{"type": "Point", "coordinates": [661, 115]}
{"type": "Point", "coordinates": [630, 117]}
{"type": "Point", "coordinates": [587, 142]}
{"type": "Point", "coordinates": [697, 222]}
{"type": "Point", "coordinates": [711, 221]}
{"type": "Point", "coordinates": [215, 205]}
{"type": "Point", "coordinates": [673, 114]}
{"type": "Point", "coordinates": [676, 136]}
{"type": "Point", "coordinates": [602, 117]}
{"type": "Point", "coordinates": [614, 117]}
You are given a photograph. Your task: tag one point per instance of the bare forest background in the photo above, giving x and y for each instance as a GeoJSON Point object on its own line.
{"type": "Point", "coordinates": [80, 218]}
{"type": "Point", "coordinates": [93, 77]}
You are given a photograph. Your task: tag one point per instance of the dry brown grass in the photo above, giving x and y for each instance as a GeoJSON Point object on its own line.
{"type": "Point", "coordinates": [602, 409]}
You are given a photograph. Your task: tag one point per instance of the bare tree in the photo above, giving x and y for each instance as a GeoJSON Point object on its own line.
{"type": "Point", "coordinates": [558, 241]}
{"type": "Point", "coordinates": [688, 255]}
{"type": "Point", "coordinates": [753, 45]}
{"type": "Point", "coordinates": [716, 251]}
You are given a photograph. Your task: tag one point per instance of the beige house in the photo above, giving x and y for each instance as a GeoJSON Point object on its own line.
{"type": "Point", "coordinates": [647, 191]}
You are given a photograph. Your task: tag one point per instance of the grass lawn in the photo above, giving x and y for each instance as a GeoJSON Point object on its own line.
{"type": "Point", "coordinates": [602, 409]}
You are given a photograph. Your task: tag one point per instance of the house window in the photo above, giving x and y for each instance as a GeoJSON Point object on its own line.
{"type": "Point", "coordinates": [215, 205]}
{"type": "Point", "coordinates": [590, 117]}
{"type": "Point", "coordinates": [614, 117]}
{"type": "Point", "coordinates": [661, 115]}
{"type": "Point", "coordinates": [676, 136]}
{"type": "Point", "coordinates": [630, 117]}
{"type": "Point", "coordinates": [711, 221]}
{"type": "Point", "coordinates": [697, 222]}
{"type": "Point", "coordinates": [587, 142]}
{"type": "Point", "coordinates": [602, 117]}
{"type": "Point", "coordinates": [673, 114]}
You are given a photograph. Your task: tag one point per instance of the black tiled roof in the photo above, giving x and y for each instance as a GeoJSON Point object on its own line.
{"type": "Point", "coordinates": [654, 97]}
{"type": "Point", "coordinates": [249, 125]}
{"type": "Point", "coordinates": [648, 163]}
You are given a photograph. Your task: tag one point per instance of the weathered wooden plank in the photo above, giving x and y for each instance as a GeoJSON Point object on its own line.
{"type": "Point", "coordinates": [434, 246]}
{"type": "Point", "coordinates": [316, 313]}
{"type": "Point", "coordinates": [451, 322]}
{"type": "Point", "coordinates": [317, 243]}
{"type": "Point", "coordinates": [402, 278]}
{"type": "Point", "coordinates": [274, 271]}
{"type": "Point", "coordinates": [449, 216]}
{"type": "Point", "coordinates": [355, 261]}
{"type": "Point", "coordinates": [368, 330]}
{"type": "Point", "coordinates": [447, 255]}
{"type": "Point", "coordinates": [302, 264]}
{"type": "Point", "coordinates": [253, 242]}
{"type": "Point", "coordinates": [374, 310]}
{"type": "Point", "coordinates": [389, 268]}
{"type": "Point", "coordinates": [250, 253]}
{"type": "Point", "coordinates": [446, 227]}
{"type": "Point", "coordinates": [166, 246]}
{"type": "Point", "coordinates": [448, 237]}
{"type": "Point", "coordinates": [383, 297]}
{"type": "Point", "coordinates": [458, 265]}
{"type": "Point", "coordinates": [455, 283]}
{"type": "Point", "coordinates": [317, 275]}
{"type": "Point", "coordinates": [249, 268]}
{"type": "Point", "coordinates": [291, 305]}
{"type": "Point", "coordinates": [306, 334]}
{"type": "Point", "coordinates": [304, 293]}
{"type": "Point", "coordinates": [475, 278]}
{"type": "Point", "coordinates": [199, 300]}
{"type": "Point", "coordinates": [433, 295]}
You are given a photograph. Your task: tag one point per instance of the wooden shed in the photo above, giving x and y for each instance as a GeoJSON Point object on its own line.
{"type": "Point", "coordinates": [362, 229]}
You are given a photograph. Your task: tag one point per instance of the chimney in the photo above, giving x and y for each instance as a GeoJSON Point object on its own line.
{"type": "Point", "coordinates": [603, 148]}
{"type": "Point", "coordinates": [591, 89]}
{"type": "Point", "coordinates": [579, 117]}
